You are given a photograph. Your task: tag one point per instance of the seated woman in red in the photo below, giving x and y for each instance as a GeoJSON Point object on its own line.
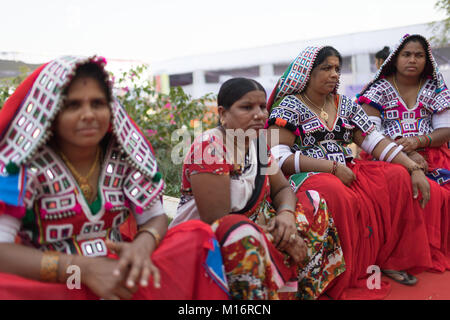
{"type": "Point", "coordinates": [74, 167]}
{"type": "Point", "coordinates": [228, 178]}
{"type": "Point", "coordinates": [409, 102]}
{"type": "Point", "coordinates": [379, 214]}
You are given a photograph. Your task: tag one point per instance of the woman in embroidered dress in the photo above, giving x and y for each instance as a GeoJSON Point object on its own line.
{"type": "Point", "coordinates": [377, 206]}
{"type": "Point", "coordinates": [263, 244]}
{"type": "Point", "coordinates": [410, 103]}
{"type": "Point", "coordinates": [74, 167]}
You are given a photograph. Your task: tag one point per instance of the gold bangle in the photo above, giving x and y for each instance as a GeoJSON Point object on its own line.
{"type": "Point", "coordinates": [151, 231]}
{"type": "Point", "coordinates": [50, 266]}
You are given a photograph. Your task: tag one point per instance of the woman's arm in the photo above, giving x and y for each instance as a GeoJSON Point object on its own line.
{"type": "Point", "coordinates": [96, 273]}
{"type": "Point", "coordinates": [419, 181]}
{"type": "Point", "coordinates": [435, 139]}
{"type": "Point", "coordinates": [212, 195]}
{"type": "Point", "coordinates": [412, 154]}
{"type": "Point", "coordinates": [307, 164]}
{"type": "Point", "coordinates": [283, 227]}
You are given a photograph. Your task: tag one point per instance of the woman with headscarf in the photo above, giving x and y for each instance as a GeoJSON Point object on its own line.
{"type": "Point", "coordinates": [74, 167]}
{"type": "Point", "coordinates": [409, 102]}
{"type": "Point", "coordinates": [273, 245]}
{"type": "Point", "coordinates": [377, 206]}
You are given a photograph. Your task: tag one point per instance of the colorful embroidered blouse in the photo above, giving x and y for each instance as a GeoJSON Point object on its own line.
{"type": "Point", "coordinates": [397, 119]}
{"type": "Point", "coordinates": [314, 138]}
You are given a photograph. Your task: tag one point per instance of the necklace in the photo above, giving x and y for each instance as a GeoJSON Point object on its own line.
{"type": "Point", "coordinates": [83, 181]}
{"type": "Point", "coordinates": [396, 88]}
{"type": "Point", "coordinates": [323, 114]}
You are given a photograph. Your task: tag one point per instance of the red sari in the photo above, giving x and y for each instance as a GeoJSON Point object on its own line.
{"type": "Point", "coordinates": [183, 276]}
{"type": "Point", "coordinates": [380, 224]}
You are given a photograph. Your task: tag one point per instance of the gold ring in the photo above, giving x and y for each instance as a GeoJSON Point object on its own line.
{"type": "Point", "coordinates": [292, 237]}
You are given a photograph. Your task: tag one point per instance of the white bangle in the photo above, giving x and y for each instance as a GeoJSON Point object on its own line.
{"type": "Point", "coordinates": [297, 161]}
{"type": "Point", "coordinates": [283, 159]}
{"type": "Point", "coordinates": [393, 154]}
{"type": "Point", "coordinates": [386, 150]}
{"type": "Point", "coordinates": [370, 141]}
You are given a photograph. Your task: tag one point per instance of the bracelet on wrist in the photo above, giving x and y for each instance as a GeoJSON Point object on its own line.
{"type": "Point", "coordinates": [334, 168]}
{"type": "Point", "coordinates": [415, 167]}
{"type": "Point", "coordinates": [50, 266]}
{"type": "Point", "coordinates": [153, 232]}
{"type": "Point", "coordinates": [290, 211]}
{"type": "Point", "coordinates": [429, 140]}
{"type": "Point", "coordinates": [419, 141]}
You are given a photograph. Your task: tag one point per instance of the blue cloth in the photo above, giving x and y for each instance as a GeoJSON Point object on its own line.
{"type": "Point", "coordinates": [214, 266]}
{"type": "Point", "coordinates": [12, 188]}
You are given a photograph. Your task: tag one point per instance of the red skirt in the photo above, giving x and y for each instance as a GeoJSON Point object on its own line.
{"type": "Point", "coordinates": [379, 223]}
{"type": "Point", "coordinates": [181, 261]}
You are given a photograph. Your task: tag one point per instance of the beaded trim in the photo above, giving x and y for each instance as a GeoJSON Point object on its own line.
{"type": "Point", "coordinates": [296, 76]}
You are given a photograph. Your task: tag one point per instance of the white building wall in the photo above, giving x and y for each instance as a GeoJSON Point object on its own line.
{"type": "Point", "coordinates": [358, 46]}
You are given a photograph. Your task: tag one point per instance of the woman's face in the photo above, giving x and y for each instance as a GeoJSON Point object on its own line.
{"type": "Point", "coordinates": [249, 112]}
{"type": "Point", "coordinates": [85, 116]}
{"type": "Point", "coordinates": [325, 76]}
{"type": "Point", "coordinates": [378, 63]}
{"type": "Point", "coordinates": [411, 59]}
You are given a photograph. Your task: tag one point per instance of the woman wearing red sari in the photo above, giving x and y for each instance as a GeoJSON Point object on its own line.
{"type": "Point", "coordinates": [378, 207]}
{"type": "Point", "coordinates": [73, 168]}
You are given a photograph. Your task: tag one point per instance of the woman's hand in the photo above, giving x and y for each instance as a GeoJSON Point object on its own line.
{"type": "Point", "coordinates": [409, 144]}
{"type": "Point", "coordinates": [134, 261]}
{"type": "Point", "coordinates": [345, 174]}
{"type": "Point", "coordinates": [97, 275]}
{"type": "Point", "coordinates": [285, 238]}
{"type": "Point", "coordinates": [420, 182]}
{"type": "Point", "coordinates": [417, 158]}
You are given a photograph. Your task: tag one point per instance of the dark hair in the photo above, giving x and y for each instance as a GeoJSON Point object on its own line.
{"type": "Point", "coordinates": [428, 70]}
{"type": "Point", "coordinates": [96, 72]}
{"type": "Point", "coordinates": [383, 53]}
{"type": "Point", "coordinates": [234, 89]}
{"type": "Point", "coordinates": [324, 53]}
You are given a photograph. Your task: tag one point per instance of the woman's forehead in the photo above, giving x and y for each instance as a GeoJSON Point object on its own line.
{"type": "Point", "coordinates": [413, 46]}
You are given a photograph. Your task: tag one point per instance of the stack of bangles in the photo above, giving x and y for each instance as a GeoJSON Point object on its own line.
{"type": "Point", "coordinates": [427, 138]}
{"type": "Point", "coordinates": [394, 153]}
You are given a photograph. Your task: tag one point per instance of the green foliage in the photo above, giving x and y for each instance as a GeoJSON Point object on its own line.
{"type": "Point", "coordinates": [441, 29]}
{"type": "Point", "coordinates": [159, 115]}
{"type": "Point", "coordinates": [8, 85]}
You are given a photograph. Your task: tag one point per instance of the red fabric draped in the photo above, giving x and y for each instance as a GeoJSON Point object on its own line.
{"type": "Point", "coordinates": [437, 157]}
{"type": "Point", "coordinates": [229, 222]}
{"type": "Point", "coordinates": [379, 223]}
{"type": "Point", "coordinates": [183, 276]}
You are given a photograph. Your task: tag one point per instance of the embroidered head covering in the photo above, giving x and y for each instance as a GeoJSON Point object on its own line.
{"type": "Point", "coordinates": [389, 65]}
{"type": "Point", "coordinates": [295, 78]}
{"type": "Point", "coordinates": [27, 117]}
